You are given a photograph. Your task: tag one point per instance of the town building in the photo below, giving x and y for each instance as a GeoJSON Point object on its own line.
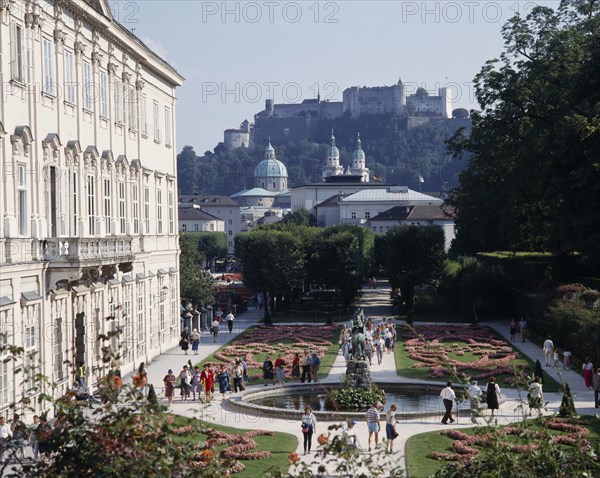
{"type": "Point", "coordinates": [88, 226]}
{"type": "Point", "coordinates": [194, 219]}
{"type": "Point", "coordinates": [420, 214]}
{"type": "Point", "coordinates": [221, 207]}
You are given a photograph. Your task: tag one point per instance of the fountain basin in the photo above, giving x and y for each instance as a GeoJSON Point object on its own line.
{"type": "Point", "coordinates": [414, 400]}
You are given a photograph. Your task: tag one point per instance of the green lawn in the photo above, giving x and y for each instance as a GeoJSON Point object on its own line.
{"type": "Point", "coordinates": [404, 364]}
{"type": "Point", "coordinates": [279, 444]}
{"type": "Point", "coordinates": [326, 361]}
{"type": "Point", "coordinates": [418, 447]}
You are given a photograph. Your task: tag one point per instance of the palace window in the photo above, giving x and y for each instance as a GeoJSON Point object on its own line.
{"type": "Point", "coordinates": [144, 114]}
{"type": "Point", "coordinates": [135, 192]}
{"type": "Point", "coordinates": [17, 54]}
{"type": "Point", "coordinates": [88, 87]}
{"type": "Point", "coordinates": [22, 213]}
{"type": "Point", "coordinates": [159, 216]}
{"type": "Point", "coordinates": [91, 203]}
{"type": "Point", "coordinates": [132, 108]}
{"type": "Point", "coordinates": [118, 101]}
{"type": "Point", "coordinates": [167, 126]}
{"type": "Point", "coordinates": [157, 135]}
{"type": "Point", "coordinates": [58, 350]}
{"type": "Point", "coordinates": [122, 222]}
{"type": "Point", "coordinates": [147, 208]}
{"type": "Point", "coordinates": [107, 205]}
{"type": "Point", "coordinates": [171, 213]}
{"type": "Point", "coordinates": [69, 78]}
{"type": "Point", "coordinates": [49, 85]}
{"type": "Point", "coordinates": [103, 94]}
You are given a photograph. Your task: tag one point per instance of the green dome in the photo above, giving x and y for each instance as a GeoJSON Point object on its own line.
{"type": "Point", "coordinates": [270, 167]}
{"type": "Point", "coordinates": [332, 151]}
{"type": "Point", "coordinates": [358, 154]}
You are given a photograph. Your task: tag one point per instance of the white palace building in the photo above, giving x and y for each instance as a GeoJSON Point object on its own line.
{"type": "Point", "coordinates": [88, 205]}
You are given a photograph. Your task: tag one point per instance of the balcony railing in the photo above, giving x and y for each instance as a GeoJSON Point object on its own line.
{"type": "Point", "coordinates": [76, 249]}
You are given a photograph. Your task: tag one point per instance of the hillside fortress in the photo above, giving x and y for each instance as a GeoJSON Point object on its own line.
{"type": "Point", "coordinates": [297, 121]}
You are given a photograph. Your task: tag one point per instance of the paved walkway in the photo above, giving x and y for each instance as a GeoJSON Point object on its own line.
{"type": "Point", "coordinates": [376, 305]}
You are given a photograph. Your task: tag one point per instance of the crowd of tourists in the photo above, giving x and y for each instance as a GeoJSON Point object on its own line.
{"type": "Point", "coordinates": [379, 340]}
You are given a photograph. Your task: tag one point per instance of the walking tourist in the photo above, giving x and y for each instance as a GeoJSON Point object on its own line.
{"type": "Point", "coordinates": [195, 384]}
{"type": "Point", "coordinates": [596, 382]}
{"type": "Point", "coordinates": [535, 396]}
{"type": "Point", "coordinates": [195, 341]}
{"type": "Point", "coordinates": [315, 364]}
{"type": "Point", "coordinates": [268, 371]}
{"type": "Point", "coordinates": [5, 436]}
{"type": "Point", "coordinates": [33, 441]}
{"type": "Point", "coordinates": [223, 380]}
{"type": "Point", "coordinates": [308, 427]}
{"type": "Point", "coordinates": [140, 380]}
{"type": "Point", "coordinates": [548, 349]}
{"type": "Point", "coordinates": [184, 342]}
{"type": "Point", "coordinates": [169, 382]}
{"type": "Point", "coordinates": [230, 318]}
{"type": "Point", "coordinates": [378, 342]}
{"type": "Point", "coordinates": [306, 363]}
{"type": "Point", "coordinates": [567, 360]}
{"type": "Point", "coordinates": [238, 377]}
{"type": "Point", "coordinates": [20, 434]}
{"type": "Point", "coordinates": [207, 379]}
{"type": "Point", "coordinates": [372, 419]}
{"type": "Point", "coordinates": [390, 427]}
{"type": "Point", "coordinates": [448, 397]}
{"type": "Point", "coordinates": [280, 369]}
{"type": "Point", "coordinates": [474, 392]}
{"type": "Point", "coordinates": [81, 377]}
{"type": "Point", "coordinates": [512, 329]}
{"type": "Point", "coordinates": [492, 396]}
{"type": "Point", "coordinates": [295, 371]}
{"type": "Point", "coordinates": [185, 380]}
{"type": "Point", "coordinates": [523, 329]}
{"type": "Point", "coordinates": [215, 329]}
{"type": "Point", "coordinates": [588, 371]}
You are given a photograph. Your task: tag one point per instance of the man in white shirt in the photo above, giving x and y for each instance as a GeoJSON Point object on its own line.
{"type": "Point", "coordinates": [548, 349]}
{"type": "Point", "coordinates": [474, 392]}
{"type": "Point", "coordinates": [5, 435]}
{"type": "Point", "coordinates": [230, 318]}
{"type": "Point", "coordinates": [448, 396]}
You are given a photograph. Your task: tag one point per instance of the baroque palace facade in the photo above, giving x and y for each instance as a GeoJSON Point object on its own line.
{"type": "Point", "coordinates": [88, 198]}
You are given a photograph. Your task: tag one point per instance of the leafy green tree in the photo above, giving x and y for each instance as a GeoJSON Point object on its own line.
{"type": "Point", "coordinates": [272, 263]}
{"type": "Point", "coordinates": [194, 285]}
{"type": "Point", "coordinates": [212, 245]}
{"type": "Point", "coordinates": [301, 217]}
{"type": "Point", "coordinates": [415, 258]}
{"type": "Point", "coordinates": [533, 182]}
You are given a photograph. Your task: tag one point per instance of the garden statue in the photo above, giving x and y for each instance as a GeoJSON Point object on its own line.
{"type": "Point", "coordinates": [358, 336]}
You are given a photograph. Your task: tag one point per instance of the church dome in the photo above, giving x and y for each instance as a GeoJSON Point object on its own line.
{"type": "Point", "coordinates": [270, 167]}
{"type": "Point", "coordinates": [333, 151]}
{"type": "Point", "coordinates": [358, 154]}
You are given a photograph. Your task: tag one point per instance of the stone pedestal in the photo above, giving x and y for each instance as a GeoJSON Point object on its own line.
{"type": "Point", "coordinates": [358, 375]}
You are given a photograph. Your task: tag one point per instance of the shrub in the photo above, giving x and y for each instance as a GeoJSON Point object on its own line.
{"type": "Point", "coordinates": [354, 399]}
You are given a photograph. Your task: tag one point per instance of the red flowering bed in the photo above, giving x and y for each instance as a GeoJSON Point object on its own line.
{"type": "Point", "coordinates": [463, 444]}
{"type": "Point", "coordinates": [430, 346]}
{"type": "Point", "coordinates": [275, 340]}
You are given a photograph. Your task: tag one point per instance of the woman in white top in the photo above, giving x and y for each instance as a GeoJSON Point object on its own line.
{"type": "Point", "coordinates": [390, 427]}
{"type": "Point", "coordinates": [309, 426]}
{"type": "Point", "coordinates": [535, 395]}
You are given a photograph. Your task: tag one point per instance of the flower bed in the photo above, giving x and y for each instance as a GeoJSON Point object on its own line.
{"type": "Point", "coordinates": [237, 446]}
{"type": "Point", "coordinates": [276, 340]}
{"type": "Point", "coordinates": [431, 347]}
{"type": "Point", "coordinates": [463, 443]}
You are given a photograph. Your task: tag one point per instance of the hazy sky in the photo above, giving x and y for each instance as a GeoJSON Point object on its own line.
{"type": "Point", "coordinates": [236, 54]}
